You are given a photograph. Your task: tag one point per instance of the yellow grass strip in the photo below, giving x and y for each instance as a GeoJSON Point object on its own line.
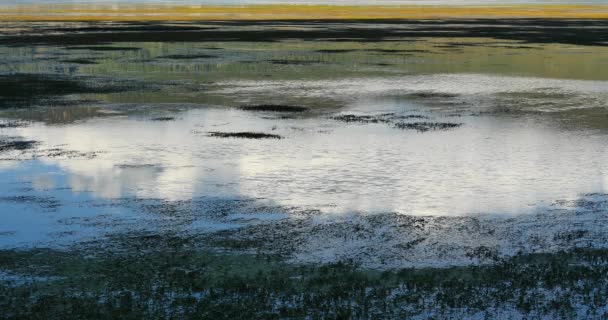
{"type": "Point", "coordinates": [291, 12]}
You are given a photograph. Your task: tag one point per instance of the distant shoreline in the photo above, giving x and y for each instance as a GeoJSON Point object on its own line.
{"type": "Point", "coordinates": [159, 12]}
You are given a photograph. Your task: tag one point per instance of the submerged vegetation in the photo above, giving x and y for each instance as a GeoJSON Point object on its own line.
{"type": "Point", "coordinates": [273, 108]}
{"type": "Point", "coordinates": [80, 61]}
{"type": "Point", "coordinates": [244, 135]}
{"type": "Point", "coordinates": [13, 144]}
{"type": "Point", "coordinates": [377, 118]}
{"type": "Point", "coordinates": [188, 56]}
{"type": "Point", "coordinates": [28, 89]}
{"type": "Point", "coordinates": [24, 89]}
{"type": "Point", "coordinates": [398, 121]}
{"type": "Point", "coordinates": [100, 48]}
{"type": "Point", "coordinates": [163, 119]}
{"type": "Point", "coordinates": [427, 126]}
{"type": "Point", "coordinates": [180, 281]}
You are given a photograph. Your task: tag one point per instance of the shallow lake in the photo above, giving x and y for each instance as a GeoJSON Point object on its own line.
{"type": "Point", "coordinates": [418, 126]}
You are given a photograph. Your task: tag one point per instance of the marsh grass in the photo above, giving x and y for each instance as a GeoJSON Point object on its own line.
{"type": "Point", "coordinates": [20, 145]}
{"type": "Point", "coordinates": [244, 135]}
{"type": "Point", "coordinates": [101, 48]}
{"type": "Point", "coordinates": [80, 61]}
{"type": "Point", "coordinates": [273, 108]}
{"type": "Point", "coordinates": [425, 126]}
{"type": "Point", "coordinates": [180, 281]}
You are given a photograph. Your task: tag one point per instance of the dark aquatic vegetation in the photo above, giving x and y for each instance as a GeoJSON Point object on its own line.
{"type": "Point", "coordinates": [411, 116]}
{"type": "Point", "coordinates": [163, 119]}
{"type": "Point", "coordinates": [27, 89]}
{"type": "Point", "coordinates": [376, 118]}
{"type": "Point", "coordinates": [348, 118]}
{"type": "Point", "coordinates": [293, 62]}
{"type": "Point", "coordinates": [26, 145]}
{"type": "Point", "coordinates": [397, 51]}
{"type": "Point", "coordinates": [273, 108]}
{"type": "Point", "coordinates": [96, 48]}
{"type": "Point", "coordinates": [68, 154]}
{"type": "Point", "coordinates": [433, 95]}
{"type": "Point", "coordinates": [20, 145]}
{"type": "Point", "coordinates": [171, 276]}
{"type": "Point", "coordinates": [427, 126]}
{"type": "Point", "coordinates": [187, 56]}
{"type": "Point", "coordinates": [336, 51]}
{"type": "Point", "coordinates": [244, 135]}
{"type": "Point", "coordinates": [13, 124]}
{"type": "Point", "coordinates": [516, 47]}
{"type": "Point", "coordinates": [80, 61]}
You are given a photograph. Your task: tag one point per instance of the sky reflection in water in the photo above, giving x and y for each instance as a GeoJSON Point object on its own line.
{"type": "Point", "coordinates": [525, 142]}
{"type": "Point", "coordinates": [492, 164]}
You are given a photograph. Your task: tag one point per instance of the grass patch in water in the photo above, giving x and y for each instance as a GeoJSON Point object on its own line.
{"type": "Point", "coordinates": [336, 50]}
{"type": "Point", "coordinates": [244, 135]}
{"type": "Point", "coordinates": [427, 126]}
{"type": "Point", "coordinates": [273, 108]}
{"type": "Point", "coordinates": [376, 118]}
{"type": "Point", "coordinates": [13, 124]}
{"type": "Point", "coordinates": [179, 281]}
{"type": "Point", "coordinates": [353, 118]}
{"type": "Point", "coordinates": [27, 89]}
{"type": "Point", "coordinates": [20, 145]}
{"type": "Point", "coordinates": [187, 56]}
{"type": "Point", "coordinates": [99, 48]}
{"type": "Point", "coordinates": [163, 119]}
{"type": "Point", "coordinates": [79, 61]}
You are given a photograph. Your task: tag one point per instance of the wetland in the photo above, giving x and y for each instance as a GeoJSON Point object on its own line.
{"type": "Point", "coordinates": [343, 169]}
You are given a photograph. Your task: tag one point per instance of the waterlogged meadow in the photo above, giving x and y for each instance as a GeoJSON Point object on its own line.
{"type": "Point", "coordinates": [348, 169]}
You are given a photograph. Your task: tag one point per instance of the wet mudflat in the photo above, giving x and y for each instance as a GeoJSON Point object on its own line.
{"type": "Point", "coordinates": [392, 156]}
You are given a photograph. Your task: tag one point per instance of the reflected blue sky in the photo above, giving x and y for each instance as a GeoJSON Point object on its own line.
{"type": "Point", "coordinates": [39, 207]}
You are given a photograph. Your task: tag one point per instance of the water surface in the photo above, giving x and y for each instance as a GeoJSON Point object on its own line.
{"type": "Point", "coordinates": [439, 127]}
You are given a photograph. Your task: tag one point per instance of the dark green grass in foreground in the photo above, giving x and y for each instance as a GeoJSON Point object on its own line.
{"type": "Point", "coordinates": [189, 283]}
